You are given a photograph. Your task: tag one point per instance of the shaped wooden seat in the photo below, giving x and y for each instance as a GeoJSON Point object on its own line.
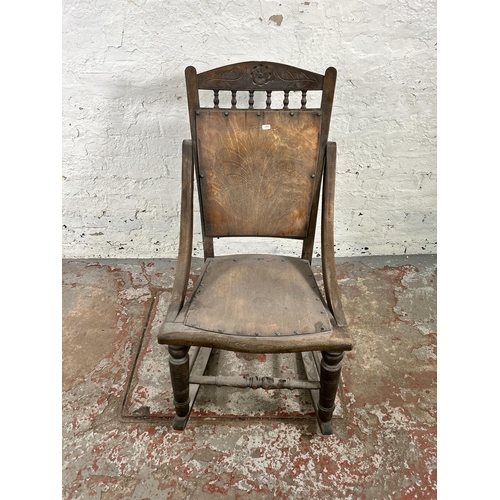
{"type": "Point", "coordinates": [259, 173]}
{"type": "Point", "coordinates": [271, 301]}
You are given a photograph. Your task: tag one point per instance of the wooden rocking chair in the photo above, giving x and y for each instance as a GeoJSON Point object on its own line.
{"type": "Point", "coordinates": [258, 173]}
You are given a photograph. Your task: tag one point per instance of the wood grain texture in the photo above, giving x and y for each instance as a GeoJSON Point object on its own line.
{"type": "Point", "coordinates": [179, 334]}
{"type": "Point", "coordinates": [327, 238]}
{"type": "Point", "coordinates": [257, 171]}
{"type": "Point", "coordinates": [193, 105]}
{"type": "Point", "coordinates": [284, 303]}
{"type": "Point", "coordinates": [258, 295]}
{"type": "Point", "coordinates": [327, 96]}
{"type": "Point", "coordinates": [186, 233]}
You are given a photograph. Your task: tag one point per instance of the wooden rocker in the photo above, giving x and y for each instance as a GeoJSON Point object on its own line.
{"type": "Point", "coordinates": [259, 173]}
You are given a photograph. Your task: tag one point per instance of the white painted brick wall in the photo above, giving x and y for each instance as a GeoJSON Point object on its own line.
{"type": "Point", "coordinates": [125, 115]}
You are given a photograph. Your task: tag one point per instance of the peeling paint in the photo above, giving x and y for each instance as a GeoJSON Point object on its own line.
{"type": "Point", "coordinates": [384, 441]}
{"type": "Point", "coordinates": [277, 19]}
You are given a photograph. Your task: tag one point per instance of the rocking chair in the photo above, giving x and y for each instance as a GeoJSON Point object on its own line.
{"type": "Point", "coordinates": [259, 173]}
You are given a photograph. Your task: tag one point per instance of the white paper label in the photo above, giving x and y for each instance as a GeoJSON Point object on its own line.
{"type": "Point", "coordinates": [266, 127]}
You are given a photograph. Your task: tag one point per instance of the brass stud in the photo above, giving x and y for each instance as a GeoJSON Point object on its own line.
{"type": "Point", "coordinates": [201, 176]}
{"type": "Point", "coordinates": [313, 176]}
{"type": "Point", "coordinates": [197, 111]}
{"type": "Point", "coordinates": [318, 113]}
{"type": "Point", "coordinates": [258, 113]}
{"type": "Point", "coordinates": [291, 113]}
{"type": "Point", "coordinates": [226, 113]}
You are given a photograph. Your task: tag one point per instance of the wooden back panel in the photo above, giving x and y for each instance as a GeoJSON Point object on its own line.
{"type": "Point", "coordinates": [259, 170]}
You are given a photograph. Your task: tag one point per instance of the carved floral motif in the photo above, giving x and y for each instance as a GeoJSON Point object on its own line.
{"type": "Point", "coordinates": [261, 74]}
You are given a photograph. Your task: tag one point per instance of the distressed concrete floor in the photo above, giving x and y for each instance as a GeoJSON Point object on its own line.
{"type": "Point", "coordinates": [117, 436]}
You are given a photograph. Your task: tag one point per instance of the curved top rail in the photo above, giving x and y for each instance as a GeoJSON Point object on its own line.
{"type": "Point", "coordinates": [259, 75]}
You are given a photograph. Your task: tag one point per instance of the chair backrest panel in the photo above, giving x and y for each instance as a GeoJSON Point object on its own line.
{"type": "Point", "coordinates": [257, 171]}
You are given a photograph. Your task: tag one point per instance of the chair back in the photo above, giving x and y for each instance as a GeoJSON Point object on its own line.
{"type": "Point", "coordinates": [259, 168]}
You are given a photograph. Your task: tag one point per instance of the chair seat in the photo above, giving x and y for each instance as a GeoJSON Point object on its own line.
{"type": "Point", "coordinates": [269, 300]}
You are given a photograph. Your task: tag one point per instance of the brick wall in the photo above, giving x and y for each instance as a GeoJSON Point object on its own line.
{"type": "Point", "coordinates": [125, 115]}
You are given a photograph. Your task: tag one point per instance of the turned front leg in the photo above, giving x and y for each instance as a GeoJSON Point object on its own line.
{"type": "Point", "coordinates": [331, 364]}
{"type": "Point", "coordinates": [179, 374]}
